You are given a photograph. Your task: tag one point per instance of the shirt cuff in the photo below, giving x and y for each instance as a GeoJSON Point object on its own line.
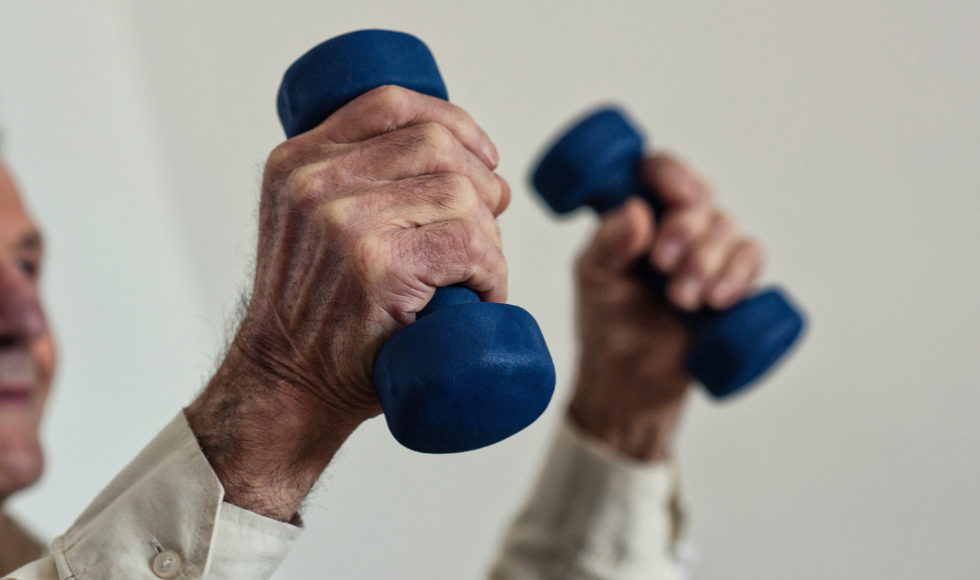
{"type": "Point", "coordinates": [249, 545]}
{"type": "Point", "coordinates": [169, 501]}
{"type": "Point", "coordinates": [595, 514]}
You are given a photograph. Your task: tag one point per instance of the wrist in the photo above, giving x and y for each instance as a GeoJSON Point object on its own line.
{"type": "Point", "coordinates": [268, 440]}
{"type": "Point", "coordinates": [640, 427]}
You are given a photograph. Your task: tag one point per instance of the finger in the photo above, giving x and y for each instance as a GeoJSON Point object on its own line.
{"type": "Point", "coordinates": [454, 252]}
{"type": "Point", "coordinates": [738, 275]}
{"type": "Point", "coordinates": [504, 196]}
{"type": "Point", "coordinates": [679, 230]}
{"type": "Point", "coordinates": [423, 149]}
{"type": "Point", "coordinates": [675, 184]}
{"type": "Point", "coordinates": [430, 199]}
{"type": "Point", "coordinates": [622, 237]}
{"type": "Point", "coordinates": [390, 107]}
{"type": "Point", "coordinates": [703, 264]}
{"type": "Point", "coordinates": [411, 203]}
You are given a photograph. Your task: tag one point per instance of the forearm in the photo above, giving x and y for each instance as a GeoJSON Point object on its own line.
{"type": "Point", "coordinates": [646, 438]}
{"type": "Point", "coordinates": [638, 427]}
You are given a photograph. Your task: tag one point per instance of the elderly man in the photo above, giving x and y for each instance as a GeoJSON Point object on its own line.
{"type": "Point", "coordinates": [360, 220]}
{"type": "Point", "coordinates": [26, 367]}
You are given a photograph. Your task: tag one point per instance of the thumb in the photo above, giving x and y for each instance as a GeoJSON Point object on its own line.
{"type": "Point", "coordinates": [624, 235]}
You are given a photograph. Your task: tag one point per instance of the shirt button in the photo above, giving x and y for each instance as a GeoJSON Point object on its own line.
{"type": "Point", "coordinates": [166, 564]}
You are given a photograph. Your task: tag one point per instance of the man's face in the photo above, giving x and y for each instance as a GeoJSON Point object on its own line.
{"type": "Point", "coordinates": [27, 352]}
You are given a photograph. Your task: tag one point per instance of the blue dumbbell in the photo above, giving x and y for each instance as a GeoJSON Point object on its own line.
{"type": "Point", "coordinates": [595, 164]}
{"type": "Point", "coordinates": [466, 374]}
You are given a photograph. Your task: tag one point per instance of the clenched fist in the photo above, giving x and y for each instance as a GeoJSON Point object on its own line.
{"type": "Point", "coordinates": [631, 381]}
{"type": "Point", "coordinates": [360, 220]}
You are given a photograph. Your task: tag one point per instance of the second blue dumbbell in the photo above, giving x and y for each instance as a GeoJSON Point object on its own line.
{"type": "Point", "coordinates": [595, 164]}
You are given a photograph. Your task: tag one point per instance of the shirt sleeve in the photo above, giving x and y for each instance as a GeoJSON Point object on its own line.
{"type": "Point", "coordinates": [596, 515]}
{"type": "Point", "coordinates": [163, 516]}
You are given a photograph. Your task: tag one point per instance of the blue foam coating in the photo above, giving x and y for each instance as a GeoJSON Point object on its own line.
{"type": "Point", "coordinates": [337, 71]}
{"type": "Point", "coordinates": [465, 374]}
{"type": "Point", "coordinates": [463, 381]}
{"type": "Point", "coordinates": [592, 164]}
{"type": "Point", "coordinates": [734, 348]}
{"type": "Point", "coordinates": [595, 164]}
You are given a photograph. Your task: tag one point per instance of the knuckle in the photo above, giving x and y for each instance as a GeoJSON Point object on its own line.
{"type": "Point", "coordinates": [454, 191]}
{"type": "Point", "coordinates": [461, 115]}
{"type": "Point", "coordinates": [389, 106]}
{"type": "Point", "coordinates": [428, 190]}
{"type": "Point", "coordinates": [431, 146]}
{"type": "Point", "coordinates": [278, 157]}
{"type": "Point", "coordinates": [336, 215]}
{"type": "Point", "coordinates": [469, 242]}
{"type": "Point", "coordinates": [464, 194]}
{"type": "Point", "coordinates": [316, 181]}
{"type": "Point", "coordinates": [457, 183]}
{"type": "Point", "coordinates": [437, 137]}
{"type": "Point", "coordinates": [306, 183]}
{"type": "Point", "coordinates": [283, 159]}
{"type": "Point", "coordinates": [393, 98]}
{"type": "Point", "coordinates": [371, 259]}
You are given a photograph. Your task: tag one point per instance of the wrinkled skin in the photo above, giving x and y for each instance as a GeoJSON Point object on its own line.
{"type": "Point", "coordinates": [360, 220]}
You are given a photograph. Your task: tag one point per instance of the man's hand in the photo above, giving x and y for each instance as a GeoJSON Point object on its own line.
{"type": "Point", "coordinates": [360, 220]}
{"type": "Point", "coordinates": [631, 382]}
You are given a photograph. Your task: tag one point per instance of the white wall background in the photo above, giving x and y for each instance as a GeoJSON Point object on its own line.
{"type": "Point", "coordinates": [846, 135]}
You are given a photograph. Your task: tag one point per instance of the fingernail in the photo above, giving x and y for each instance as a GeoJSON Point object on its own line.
{"type": "Point", "coordinates": [669, 252]}
{"type": "Point", "coordinates": [688, 290]}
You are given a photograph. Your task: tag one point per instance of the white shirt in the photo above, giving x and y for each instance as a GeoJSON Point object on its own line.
{"type": "Point", "coordinates": [593, 515]}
